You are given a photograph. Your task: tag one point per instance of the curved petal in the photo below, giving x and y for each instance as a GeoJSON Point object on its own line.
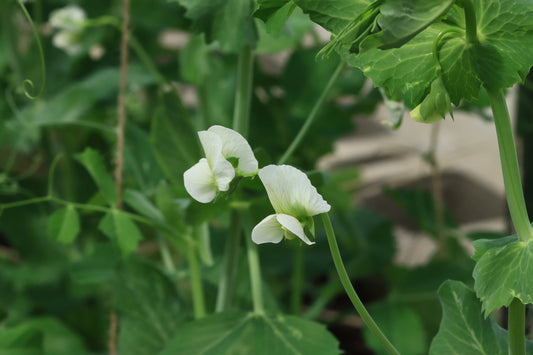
{"type": "Point", "coordinates": [290, 191]}
{"type": "Point", "coordinates": [222, 170]}
{"type": "Point", "coordinates": [268, 231]}
{"type": "Point", "coordinates": [294, 226]}
{"type": "Point", "coordinates": [200, 182]}
{"type": "Point", "coordinates": [235, 145]}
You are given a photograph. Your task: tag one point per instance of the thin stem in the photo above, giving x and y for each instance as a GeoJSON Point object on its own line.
{"type": "Point", "coordinates": [243, 96]}
{"type": "Point", "coordinates": [121, 104]}
{"type": "Point", "coordinates": [198, 299]}
{"type": "Point", "coordinates": [297, 280]}
{"type": "Point", "coordinates": [226, 283]}
{"type": "Point", "coordinates": [312, 115]}
{"type": "Point", "coordinates": [517, 330]}
{"type": "Point", "coordinates": [166, 255]}
{"type": "Point", "coordinates": [470, 21]}
{"type": "Point", "coordinates": [509, 162]}
{"type": "Point", "coordinates": [255, 275]}
{"type": "Point", "coordinates": [436, 186]}
{"type": "Point", "coordinates": [348, 287]}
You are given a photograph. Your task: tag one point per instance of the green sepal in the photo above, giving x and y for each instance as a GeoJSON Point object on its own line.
{"type": "Point", "coordinates": [435, 105]}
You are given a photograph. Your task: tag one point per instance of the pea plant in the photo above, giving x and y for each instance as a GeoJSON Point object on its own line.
{"type": "Point", "coordinates": [210, 237]}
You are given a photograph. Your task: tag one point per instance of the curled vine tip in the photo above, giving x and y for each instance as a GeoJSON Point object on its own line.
{"type": "Point", "coordinates": [28, 84]}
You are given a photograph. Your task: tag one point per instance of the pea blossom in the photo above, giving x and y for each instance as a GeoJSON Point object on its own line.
{"type": "Point", "coordinates": [214, 173]}
{"type": "Point", "coordinates": [295, 201]}
{"type": "Point", "coordinates": [69, 23]}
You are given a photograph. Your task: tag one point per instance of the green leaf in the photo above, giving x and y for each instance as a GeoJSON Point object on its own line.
{"type": "Point", "coordinates": [402, 326]}
{"type": "Point", "coordinates": [149, 307]}
{"type": "Point", "coordinates": [94, 163]}
{"type": "Point", "coordinates": [194, 64]}
{"type": "Point", "coordinates": [140, 203]}
{"type": "Point", "coordinates": [248, 333]}
{"type": "Point", "coordinates": [229, 22]}
{"type": "Point", "coordinates": [118, 226]}
{"type": "Point", "coordinates": [463, 329]}
{"type": "Point", "coordinates": [274, 13]}
{"type": "Point", "coordinates": [503, 272]}
{"type": "Point", "coordinates": [22, 339]}
{"type": "Point", "coordinates": [64, 224]}
{"type": "Point", "coordinates": [174, 140]}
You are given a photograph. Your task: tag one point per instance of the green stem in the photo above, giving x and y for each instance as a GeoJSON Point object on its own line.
{"type": "Point", "coordinates": [245, 71]}
{"type": "Point", "coordinates": [470, 22]}
{"type": "Point", "coordinates": [297, 280]}
{"type": "Point", "coordinates": [312, 115]}
{"type": "Point", "coordinates": [255, 275]}
{"type": "Point", "coordinates": [226, 284]}
{"type": "Point", "coordinates": [198, 299]}
{"type": "Point", "coordinates": [517, 329]}
{"type": "Point", "coordinates": [509, 162]}
{"type": "Point", "coordinates": [348, 287]}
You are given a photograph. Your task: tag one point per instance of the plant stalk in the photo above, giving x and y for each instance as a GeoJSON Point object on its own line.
{"type": "Point", "coordinates": [517, 328]}
{"type": "Point", "coordinates": [348, 287]}
{"type": "Point", "coordinates": [255, 275]}
{"type": "Point", "coordinates": [509, 162]}
{"type": "Point", "coordinates": [312, 115]}
{"type": "Point", "coordinates": [198, 299]}
{"type": "Point", "coordinates": [245, 72]}
{"type": "Point", "coordinates": [470, 22]}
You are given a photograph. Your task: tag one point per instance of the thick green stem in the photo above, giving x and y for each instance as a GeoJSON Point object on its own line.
{"type": "Point", "coordinates": [245, 71]}
{"type": "Point", "coordinates": [198, 299]}
{"type": "Point", "coordinates": [517, 330]}
{"type": "Point", "coordinates": [226, 284]}
{"type": "Point", "coordinates": [470, 22]}
{"type": "Point", "coordinates": [348, 287]}
{"type": "Point", "coordinates": [297, 280]}
{"type": "Point", "coordinates": [509, 162]}
{"type": "Point", "coordinates": [312, 115]}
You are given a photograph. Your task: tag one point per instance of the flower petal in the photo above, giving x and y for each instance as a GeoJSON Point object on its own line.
{"type": "Point", "coordinates": [200, 182]}
{"type": "Point", "coordinates": [235, 145]}
{"type": "Point", "coordinates": [294, 226]}
{"type": "Point", "coordinates": [290, 191]}
{"type": "Point", "coordinates": [268, 231]}
{"type": "Point", "coordinates": [221, 169]}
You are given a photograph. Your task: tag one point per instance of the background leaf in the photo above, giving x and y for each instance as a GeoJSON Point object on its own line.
{"type": "Point", "coordinates": [64, 224]}
{"type": "Point", "coordinates": [94, 163]}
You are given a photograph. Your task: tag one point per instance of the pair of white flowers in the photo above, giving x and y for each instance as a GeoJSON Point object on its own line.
{"type": "Point", "coordinates": [294, 198]}
{"type": "Point", "coordinates": [69, 22]}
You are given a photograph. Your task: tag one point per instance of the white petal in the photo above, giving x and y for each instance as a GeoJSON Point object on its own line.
{"type": "Point", "coordinates": [200, 182]}
{"type": "Point", "coordinates": [235, 145]}
{"type": "Point", "coordinates": [221, 169]}
{"type": "Point", "coordinates": [290, 191]}
{"type": "Point", "coordinates": [294, 226]}
{"type": "Point", "coordinates": [268, 231]}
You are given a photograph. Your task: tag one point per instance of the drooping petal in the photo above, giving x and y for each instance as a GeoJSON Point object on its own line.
{"type": "Point", "coordinates": [268, 231]}
{"type": "Point", "coordinates": [294, 226]}
{"type": "Point", "coordinates": [221, 169]}
{"type": "Point", "coordinates": [235, 145]}
{"type": "Point", "coordinates": [200, 182]}
{"type": "Point", "coordinates": [290, 191]}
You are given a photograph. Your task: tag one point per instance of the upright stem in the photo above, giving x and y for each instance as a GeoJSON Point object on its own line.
{"type": "Point", "coordinates": [198, 299]}
{"type": "Point", "coordinates": [226, 284]}
{"type": "Point", "coordinates": [243, 96]}
{"type": "Point", "coordinates": [470, 21]}
{"type": "Point", "coordinates": [255, 275]}
{"type": "Point", "coordinates": [312, 115]}
{"type": "Point", "coordinates": [517, 328]}
{"type": "Point", "coordinates": [509, 162]}
{"type": "Point", "coordinates": [297, 280]}
{"type": "Point", "coordinates": [347, 284]}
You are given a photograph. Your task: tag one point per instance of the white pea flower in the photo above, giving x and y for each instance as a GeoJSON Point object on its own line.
{"type": "Point", "coordinates": [69, 23]}
{"type": "Point", "coordinates": [215, 172]}
{"type": "Point", "coordinates": [295, 201]}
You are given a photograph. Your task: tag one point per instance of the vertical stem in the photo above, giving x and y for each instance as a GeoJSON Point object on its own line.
{"type": "Point", "coordinates": [255, 275]}
{"type": "Point", "coordinates": [297, 280]}
{"type": "Point", "coordinates": [198, 299]}
{"type": "Point", "coordinates": [312, 115]}
{"type": "Point", "coordinates": [244, 91]}
{"type": "Point", "coordinates": [470, 21]}
{"type": "Point", "coordinates": [517, 328]}
{"type": "Point", "coordinates": [121, 105]}
{"type": "Point", "coordinates": [436, 186]}
{"type": "Point", "coordinates": [226, 284]}
{"type": "Point", "coordinates": [509, 162]}
{"type": "Point", "coordinates": [348, 287]}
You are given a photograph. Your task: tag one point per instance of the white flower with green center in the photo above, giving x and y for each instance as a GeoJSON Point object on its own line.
{"type": "Point", "coordinates": [295, 201]}
{"type": "Point", "coordinates": [215, 172]}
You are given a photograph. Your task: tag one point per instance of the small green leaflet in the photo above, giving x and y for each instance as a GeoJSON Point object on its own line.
{"type": "Point", "coordinates": [249, 333]}
{"type": "Point", "coordinates": [274, 13]}
{"type": "Point", "coordinates": [118, 226]}
{"type": "Point", "coordinates": [463, 330]}
{"type": "Point", "coordinates": [503, 271]}
{"type": "Point", "coordinates": [94, 163]}
{"type": "Point", "coordinates": [64, 224]}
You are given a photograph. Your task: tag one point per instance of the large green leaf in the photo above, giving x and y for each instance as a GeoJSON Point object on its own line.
{"type": "Point", "coordinates": [463, 329]}
{"type": "Point", "coordinates": [503, 271]}
{"type": "Point", "coordinates": [248, 333]}
{"type": "Point", "coordinates": [229, 22]}
{"type": "Point", "coordinates": [94, 163]}
{"type": "Point", "coordinates": [149, 306]}
{"type": "Point", "coordinates": [64, 224]}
